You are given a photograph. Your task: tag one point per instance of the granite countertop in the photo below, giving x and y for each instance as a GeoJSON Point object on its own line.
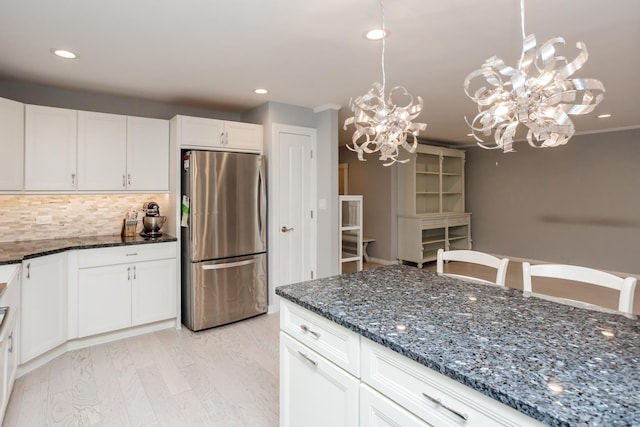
{"type": "Point", "coordinates": [16, 252]}
{"type": "Point", "coordinates": [513, 349]}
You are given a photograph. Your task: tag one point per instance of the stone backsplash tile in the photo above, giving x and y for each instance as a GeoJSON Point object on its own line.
{"type": "Point", "coordinates": [72, 215]}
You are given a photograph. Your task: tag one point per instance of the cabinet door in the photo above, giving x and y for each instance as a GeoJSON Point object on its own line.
{"type": "Point", "coordinates": [153, 291]}
{"type": "Point", "coordinates": [378, 411]}
{"type": "Point", "coordinates": [243, 136]}
{"type": "Point", "coordinates": [11, 358]}
{"type": "Point", "coordinates": [147, 154]}
{"type": "Point", "coordinates": [313, 391]}
{"type": "Point", "coordinates": [43, 320]}
{"type": "Point", "coordinates": [102, 145]}
{"type": "Point", "coordinates": [50, 148]}
{"type": "Point", "coordinates": [200, 132]}
{"type": "Point", "coordinates": [11, 145]}
{"type": "Point", "coordinates": [104, 299]}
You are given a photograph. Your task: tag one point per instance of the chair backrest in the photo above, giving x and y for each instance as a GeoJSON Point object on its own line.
{"type": "Point", "coordinates": [626, 286]}
{"type": "Point", "coordinates": [474, 257]}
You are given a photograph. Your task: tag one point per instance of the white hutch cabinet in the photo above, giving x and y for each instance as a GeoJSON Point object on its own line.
{"type": "Point", "coordinates": [431, 212]}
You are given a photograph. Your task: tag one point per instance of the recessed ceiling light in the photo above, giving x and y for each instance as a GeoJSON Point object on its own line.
{"type": "Point", "coordinates": [66, 54]}
{"type": "Point", "coordinates": [604, 116]}
{"type": "Point", "coordinates": [376, 34]}
{"type": "Point", "coordinates": [261, 91]}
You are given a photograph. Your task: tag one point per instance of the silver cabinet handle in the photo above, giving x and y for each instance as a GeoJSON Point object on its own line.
{"type": "Point", "coordinates": [132, 254]}
{"type": "Point", "coordinates": [306, 329]}
{"type": "Point", "coordinates": [73, 179]}
{"type": "Point", "coordinates": [28, 270]}
{"type": "Point", "coordinates": [11, 343]}
{"type": "Point", "coordinates": [439, 403]}
{"type": "Point", "coordinates": [128, 273]}
{"type": "Point", "coordinates": [307, 358]}
{"type": "Point", "coordinates": [124, 182]}
{"type": "Point", "coordinates": [134, 272]}
{"type": "Point", "coordinates": [129, 178]}
{"type": "Point", "coordinates": [285, 229]}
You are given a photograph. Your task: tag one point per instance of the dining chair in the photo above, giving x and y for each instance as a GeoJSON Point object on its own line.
{"type": "Point", "coordinates": [474, 257]}
{"type": "Point", "coordinates": [625, 286]}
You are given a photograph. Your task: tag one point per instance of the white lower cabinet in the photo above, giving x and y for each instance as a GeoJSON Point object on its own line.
{"type": "Point", "coordinates": [10, 301]}
{"type": "Point", "coordinates": [378, 411]}
{"type": "Point", "coordinates": [390, 389]}
{"type": "Point", "coordinates": [43, 320]}
{"type": "Point", "coordinates": [314, 391]}
{"type": "Point", "coordinates": [114, 294]}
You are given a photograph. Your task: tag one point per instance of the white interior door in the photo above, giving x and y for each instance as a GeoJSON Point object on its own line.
{"type": "Point", "coordinates": [293, 228]}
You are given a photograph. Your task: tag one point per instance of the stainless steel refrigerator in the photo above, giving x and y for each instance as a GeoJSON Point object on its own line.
{"type": "Point", "coordinates": [224, 261]}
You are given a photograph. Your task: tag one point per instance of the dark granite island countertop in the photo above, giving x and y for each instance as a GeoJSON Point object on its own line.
{"type": "Point", "coordinates": [513, 349]}
{"type": "Point", "coordinates": [16, 252]}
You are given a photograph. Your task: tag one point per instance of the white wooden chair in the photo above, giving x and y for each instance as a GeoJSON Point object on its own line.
{"type": "Point", "coordinates": [625, 286]}
{"type": "Point", "coordinates": [474, 257]}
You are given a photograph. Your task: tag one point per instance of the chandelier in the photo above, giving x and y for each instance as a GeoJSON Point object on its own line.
{"type": "Point", "coordinates": [380, 125]}
{"type": "Point", "coordinates": [538, 94]}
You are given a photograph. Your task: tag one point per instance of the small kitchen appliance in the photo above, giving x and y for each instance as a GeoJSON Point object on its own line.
{"type": "Point", "coordinates": [152, 221]}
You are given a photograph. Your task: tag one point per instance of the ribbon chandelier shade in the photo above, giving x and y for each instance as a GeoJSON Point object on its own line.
{"type": "Point", "coordinates": [540, 94]}
{"type": "Point", "coordinates": [380, 125]}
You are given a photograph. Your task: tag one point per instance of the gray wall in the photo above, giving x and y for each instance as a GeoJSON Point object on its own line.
{"type": "Point", "coordinates": [327, 190]}
{"type": "Point", "coordinates": [576, 204]}
{"type": "Point", "coordinates": [376, 184]}
{"type": "Point", "coordinates": [64, 98]}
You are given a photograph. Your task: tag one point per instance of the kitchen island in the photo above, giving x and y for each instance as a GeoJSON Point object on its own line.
{"type": "Point", "coordinates": [557, 364]}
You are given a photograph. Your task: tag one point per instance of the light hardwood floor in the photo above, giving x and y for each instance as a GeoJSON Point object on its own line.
{"type": "Point", "coordinates": [226, 376]}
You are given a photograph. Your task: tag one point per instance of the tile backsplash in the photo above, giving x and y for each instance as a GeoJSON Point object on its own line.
{"type": "Point", "coordinates": [71, 215]}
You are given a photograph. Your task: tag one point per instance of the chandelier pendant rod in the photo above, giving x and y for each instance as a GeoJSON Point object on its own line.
{"type": "Point", "coordinates": [384, 37]}
{"type": "Point", "coordinates": [523, 33]}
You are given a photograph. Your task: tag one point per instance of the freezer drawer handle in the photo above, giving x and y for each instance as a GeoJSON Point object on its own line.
{"type": "Point", "coordinates": [230, 264]}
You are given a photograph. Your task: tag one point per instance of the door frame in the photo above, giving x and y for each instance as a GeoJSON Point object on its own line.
{"type": "Point", "coordinates": [274, 203]}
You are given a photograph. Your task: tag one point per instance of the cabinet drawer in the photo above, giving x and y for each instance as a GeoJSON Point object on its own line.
{"type": "Point", "coordinates": [416, 388]}
{"type": "Point", "coordinates": [125, 254]}
{"type": "Point", "coordinates": [458, 220]}
{"type": "Point", "coordinates": [338, 344]}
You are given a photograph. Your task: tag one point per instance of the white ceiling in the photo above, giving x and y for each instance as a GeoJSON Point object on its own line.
{"type": "Point", "coordinates": [209, 53]}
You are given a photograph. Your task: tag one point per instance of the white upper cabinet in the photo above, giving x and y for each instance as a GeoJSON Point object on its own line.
{"type": "Point", "coordinates": [68, 150]}
{"type": "Point", "coordinates": [199, 132]}
{"type": "Point", "coordinates": [147, 154]}
{"type": "Point", "coordinates": [242, 136]}
{"type": "Point", "coordinates": [122, 153]}
{"type": "Point", "coordinates": [102, 144]}
{"type": "Point", "coordinates": [50, 148]}
{"type": "Point", "coordinates": [11, 145]}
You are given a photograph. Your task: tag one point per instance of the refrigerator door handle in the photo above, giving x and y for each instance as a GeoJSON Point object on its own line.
{"type": "Point", "coordinates": [229, 264]}
{"type": "Point", "coordinates": [262, 195]}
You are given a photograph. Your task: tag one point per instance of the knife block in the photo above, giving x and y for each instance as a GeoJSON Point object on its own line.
{"type": "Point", "coordinates": [129, 228]}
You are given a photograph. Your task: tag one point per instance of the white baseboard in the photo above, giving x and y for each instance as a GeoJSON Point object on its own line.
{"type": "Point", "coordinates": [383, 261]}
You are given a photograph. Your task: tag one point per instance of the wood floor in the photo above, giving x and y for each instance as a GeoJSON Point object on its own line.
{"type": "Point", "coordinates": [227, 376]}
